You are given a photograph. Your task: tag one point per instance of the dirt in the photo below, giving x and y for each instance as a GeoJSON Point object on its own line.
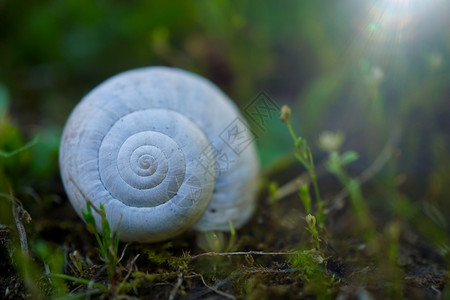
{"type": "Point", "coordinates": [261, 263]}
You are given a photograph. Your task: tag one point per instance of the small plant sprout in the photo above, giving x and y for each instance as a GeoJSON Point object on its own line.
{"type": "Point", "coordinates": [304, 156]}
{"type": "Point", "coordinates": [216, 241]}
{"type": "Point", "coordinates": [311, 222]}
{"type": "Point", "coordinates": [331, 142]}
{"type": "Point", "coordinates": [108, 242]}
{"type": "Point", "coordinates": [273, 192]}
{"type": "Point", "coordinates": [305, 197]}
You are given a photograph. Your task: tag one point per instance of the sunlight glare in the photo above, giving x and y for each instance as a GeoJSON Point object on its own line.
{"type": "Point", "coordinates": [396, 20]}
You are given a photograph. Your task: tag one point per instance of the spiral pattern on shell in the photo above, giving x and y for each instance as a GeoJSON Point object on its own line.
{"type": "Point", "coordinates": [138, 144]}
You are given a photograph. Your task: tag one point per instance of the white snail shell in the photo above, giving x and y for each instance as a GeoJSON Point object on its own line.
{"type": "Point", "coordinates": [156, 147]}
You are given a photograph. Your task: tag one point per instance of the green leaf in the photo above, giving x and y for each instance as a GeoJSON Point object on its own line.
{"type": "Point", "coordinates": [349, 157]}
{"type": "Point", "coordinates": [89, 218]}
{"type": "Point", "coordinates": [305, 197]}
{"type": "Point", "coordinates": [116, 243]}
{"type": "Point", "coordinates": [334, 163]}
{"type": "Point", "coordinates": [106, 230]}
{"type": "Point", "coordinates": [300, 142]}
{"type": "Point", "coordinates": [102, 211]}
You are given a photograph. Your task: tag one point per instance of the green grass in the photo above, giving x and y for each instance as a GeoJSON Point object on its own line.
{"type": "Point", "coordinates": [304, 156]}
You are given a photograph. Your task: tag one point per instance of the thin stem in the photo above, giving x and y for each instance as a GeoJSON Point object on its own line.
{"type": "Point", "coordinates": [174, 291]}
{"type": "Point", "coordinates": [316, 190]}
{"type": "Point", "coordinates": [80, 280]}
{"type": "Point", "coordinates": [216, 290]}
{"type": "Point", "coordinates": [304, 155]}
{"type": "Point", "coordinates": [291, 131]}
{"type": "Point", "coordinates": [241, 253]}
{"type": "Point", "coordinates": [232, 236]}
{"type": "Point", "coordinates": [303, 162]}
{"type": "Point", "coordinates": [316, 237]}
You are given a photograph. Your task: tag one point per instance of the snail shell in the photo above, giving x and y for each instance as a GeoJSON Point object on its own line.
{"type": "Point", "coordinates": [163, 150]}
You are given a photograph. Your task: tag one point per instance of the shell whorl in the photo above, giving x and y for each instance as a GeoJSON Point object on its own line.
{"type": "Point", "coordinates": [150, 161]}
{"type": "Point", "coordinates": [136, 144]}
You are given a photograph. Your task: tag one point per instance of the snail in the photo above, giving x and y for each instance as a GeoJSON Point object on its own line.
{"type": "Point", "coordinates": [163, 150]}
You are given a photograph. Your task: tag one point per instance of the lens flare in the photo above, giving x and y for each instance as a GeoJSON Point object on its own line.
{"type": "Point", "coordinates": [397, 20]}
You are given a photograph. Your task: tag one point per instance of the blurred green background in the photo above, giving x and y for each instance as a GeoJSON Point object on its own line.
{"type": "Point", "coordinates": [378, 71]}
